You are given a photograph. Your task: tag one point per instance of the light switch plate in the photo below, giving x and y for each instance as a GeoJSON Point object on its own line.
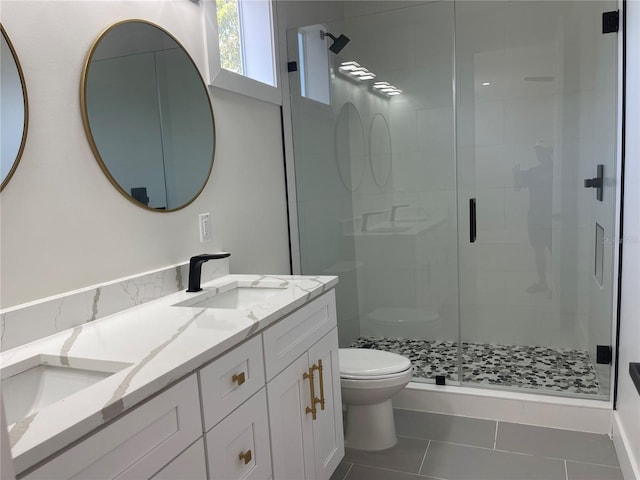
{"type": "Point", "coordinates": [205, 227]}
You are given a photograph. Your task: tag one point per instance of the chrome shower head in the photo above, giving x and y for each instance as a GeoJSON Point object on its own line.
{"type": "Point", "coordinates": [338, 42]}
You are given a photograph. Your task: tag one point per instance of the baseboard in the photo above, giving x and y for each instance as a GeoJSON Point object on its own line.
{"type": "Point", "coordinates": [543, 410]}
{"type": "Point", "coordinates": [628, 461]}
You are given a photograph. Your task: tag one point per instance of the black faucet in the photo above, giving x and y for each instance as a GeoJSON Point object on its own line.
{"type": "Point", "coordinates": [195, 268]}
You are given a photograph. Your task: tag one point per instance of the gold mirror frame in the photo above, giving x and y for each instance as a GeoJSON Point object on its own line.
{"type": "Point", "coordinates": [87, 126]}
{"type": "Point", "coordinates": [25, 126]}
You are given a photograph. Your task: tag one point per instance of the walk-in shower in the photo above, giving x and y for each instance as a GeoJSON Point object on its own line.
{"type": "Point", "coordinates": [440, 167]}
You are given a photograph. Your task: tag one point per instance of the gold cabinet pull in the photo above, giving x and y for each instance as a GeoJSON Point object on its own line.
{"type": "Point", "coordinates": [246, 456]}
{"type": "Point", "coordinates": [239, 379]}
{"type": "Point", "coordinates": [312, 389]}
{"type": "Point", "coordinates": [321, 381]}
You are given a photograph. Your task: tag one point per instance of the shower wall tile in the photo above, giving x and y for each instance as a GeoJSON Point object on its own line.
{"type": "Point", "coordinates": [490, 210]}
{"type": "Point", "coordinates": [518, 325]}
{"type": "Point", "coordinates": [494, 166]}
{"type": "Point", "coordinates": [529, 120]}
{"type": "Point", "coordinates": [29, 322]}
{"type": "Point", "coordinates": [471, 38]}
{"type": "Point", "coordinates": [489, 124]}
{"type": "Point", "coordinates": [403, 127]}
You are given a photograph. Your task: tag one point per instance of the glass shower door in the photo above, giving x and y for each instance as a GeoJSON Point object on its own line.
{"type": "Point", "coordinates": [536, 115]}
{"type": "Point", "coordinates": [375, 178]}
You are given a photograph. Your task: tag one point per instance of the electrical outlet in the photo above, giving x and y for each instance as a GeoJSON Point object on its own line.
{"type": "Point", "coordinates": [205, 227]}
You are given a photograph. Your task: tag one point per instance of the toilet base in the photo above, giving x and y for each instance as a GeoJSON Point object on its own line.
{"type": "Point", "coordinates": [370, 427]}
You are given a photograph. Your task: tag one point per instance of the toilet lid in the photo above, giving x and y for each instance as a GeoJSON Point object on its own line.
{"type": "Point", "coordinates": [368, 362]}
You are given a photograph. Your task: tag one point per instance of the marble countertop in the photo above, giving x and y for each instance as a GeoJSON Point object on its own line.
{"type": "Point", "coordinates": [161, 343]}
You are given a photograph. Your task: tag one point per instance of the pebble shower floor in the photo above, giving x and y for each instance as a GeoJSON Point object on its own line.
{"type": "Point", "coordinates": [556, 369]}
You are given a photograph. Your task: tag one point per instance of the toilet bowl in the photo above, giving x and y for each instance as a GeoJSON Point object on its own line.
{"type": "Point", "coordinates": [369, 378]}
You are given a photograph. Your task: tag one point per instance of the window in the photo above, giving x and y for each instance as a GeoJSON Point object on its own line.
{"type": "Point", "coordinates": [242, 49]}
{"type": "Point", "coordinates": [313, 61]}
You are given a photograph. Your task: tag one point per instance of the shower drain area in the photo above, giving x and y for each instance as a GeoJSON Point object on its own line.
{"type": "Point", "coordinates": [543, 368]}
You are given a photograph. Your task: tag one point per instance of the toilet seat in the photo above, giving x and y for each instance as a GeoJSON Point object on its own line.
{"type": "Point", "coordinates": [365, 378]}
{"type": "Point", "coordinates": [369, 364]}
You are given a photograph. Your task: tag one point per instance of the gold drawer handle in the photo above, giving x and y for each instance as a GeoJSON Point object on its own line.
{"type": "Point", "coordinates": [321, 381]}
{"type": "Point", "coordinates": [312, 390]}
{"type": "Point", "coordinates": [239, 379]}
{"type": "Point", "coordinates": [246, 456]}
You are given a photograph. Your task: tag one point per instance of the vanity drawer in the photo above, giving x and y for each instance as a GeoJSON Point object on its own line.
{"type": "Point", "coordinates": [138, 444]}
{"type": "Point", "coordinates": [238, 447]}
{"type": "Point", "coordinates": [230, 380]}
{"type": "Point", "coordinates": [292, 336]}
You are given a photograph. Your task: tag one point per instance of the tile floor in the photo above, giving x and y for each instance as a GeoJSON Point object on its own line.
{"type": "Point", "coordinates": [448, 447]}
{"type": "Point", "coordinates": [523, 366]}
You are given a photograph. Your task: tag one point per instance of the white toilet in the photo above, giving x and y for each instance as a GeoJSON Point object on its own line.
{"type": "Point", "coordinates": [369, 378]}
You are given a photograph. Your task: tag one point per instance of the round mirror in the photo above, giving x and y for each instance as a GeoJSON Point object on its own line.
{"type": "Point", "coordinates": [148, 116]}
{"type": "Point", "coordinates": [350, 152]}
{"type": "Point", "coordinates": [380, 150]}
{"type": "Point", "coordinates": [13, 110]}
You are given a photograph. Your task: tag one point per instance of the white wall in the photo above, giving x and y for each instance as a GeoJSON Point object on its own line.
{"type": "Point", "coordinates": [628, 407]}
{"type": "Point", "coordinates": [63, 226]}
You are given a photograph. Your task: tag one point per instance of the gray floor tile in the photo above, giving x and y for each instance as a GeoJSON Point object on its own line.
{"type": "Point", "coordinates": [446, 428]}
{"type": "Point", "coordinates": [341, 471]}
{"type": "Point", "coordinates": [553, 442]}
{"type": "Point", "coordinates": [406, 456]}
{"type": "Point", "coordinates": [459, 462]}
{"type": "Point", "coordinates": [587, 471]}
{"type": "Point", "coordinates": [361, 472]}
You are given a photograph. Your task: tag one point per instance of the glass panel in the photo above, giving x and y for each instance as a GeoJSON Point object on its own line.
{"type": "Point", "coordinates": [375, 178]}
{"type": "Point", "coordinates": [536, 93]}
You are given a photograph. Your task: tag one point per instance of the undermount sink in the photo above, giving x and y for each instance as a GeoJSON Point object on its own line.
{"type": "Point", "coordinates": [238, 297]}
{"type": "Point", "coordinates": [42, 380]}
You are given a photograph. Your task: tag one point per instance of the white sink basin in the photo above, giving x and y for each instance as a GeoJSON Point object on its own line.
{"type": "Point", "coordinates": [40, 381]}
{"type": "Point", "coordinates": [237, 298]}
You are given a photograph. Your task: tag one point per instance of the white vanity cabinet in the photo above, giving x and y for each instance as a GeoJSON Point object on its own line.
{"type": "Point", "coordinates": [137, 445]}
{"type": "Point", "coordinates": [267, 409]}
{"type": "Point", "coordinates": [305, 409]}
{"type": "Point", "coordinates": [189, 465]}
{"type": "Point", "coordinates": [234, 411]}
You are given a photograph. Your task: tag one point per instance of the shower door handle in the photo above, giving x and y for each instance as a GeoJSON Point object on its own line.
{"type": "Point", "coordinates": [472, 220]}
{"type": "Point", "coordinates": [597, 182]}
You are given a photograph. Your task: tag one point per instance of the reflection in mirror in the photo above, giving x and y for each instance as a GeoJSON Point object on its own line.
{"type": "Point", "coordinates": [148, 116]}
{"type": "Point", "coordinates": [350, 146]}
{"type": "Point", "coordinates": [380, 150]}
{"type": "Point", "coordinates": [13, 110]}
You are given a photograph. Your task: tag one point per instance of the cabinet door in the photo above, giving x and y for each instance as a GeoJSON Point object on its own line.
{"type": "Point", "coordinates": [328, 437]}
{"type": "Point", "coordinates": [238, 447]}
{"type": "Point", "coordinates": [138, 444]}
{"type": "Point", "coordinates": [189, 465]}
{"type": "Point", "coordinates": [291, 432]}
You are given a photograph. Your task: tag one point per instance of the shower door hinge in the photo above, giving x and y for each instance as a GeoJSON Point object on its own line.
{"type": "Point", "coordinates": [611, 21]}
{"type": "Point", "coordinates": [604, 354]}
{"type": "Point", "coordinates": [292, 67]}
{"type": "Point", "coordinates": [441, 380]}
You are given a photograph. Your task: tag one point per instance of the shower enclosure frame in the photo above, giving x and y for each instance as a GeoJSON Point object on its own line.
{"type": "Point", "coordinates": [293, 205]}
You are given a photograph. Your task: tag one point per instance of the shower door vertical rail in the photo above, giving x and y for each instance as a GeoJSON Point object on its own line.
{"type": "Point", "coordinates": [375, 178]}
